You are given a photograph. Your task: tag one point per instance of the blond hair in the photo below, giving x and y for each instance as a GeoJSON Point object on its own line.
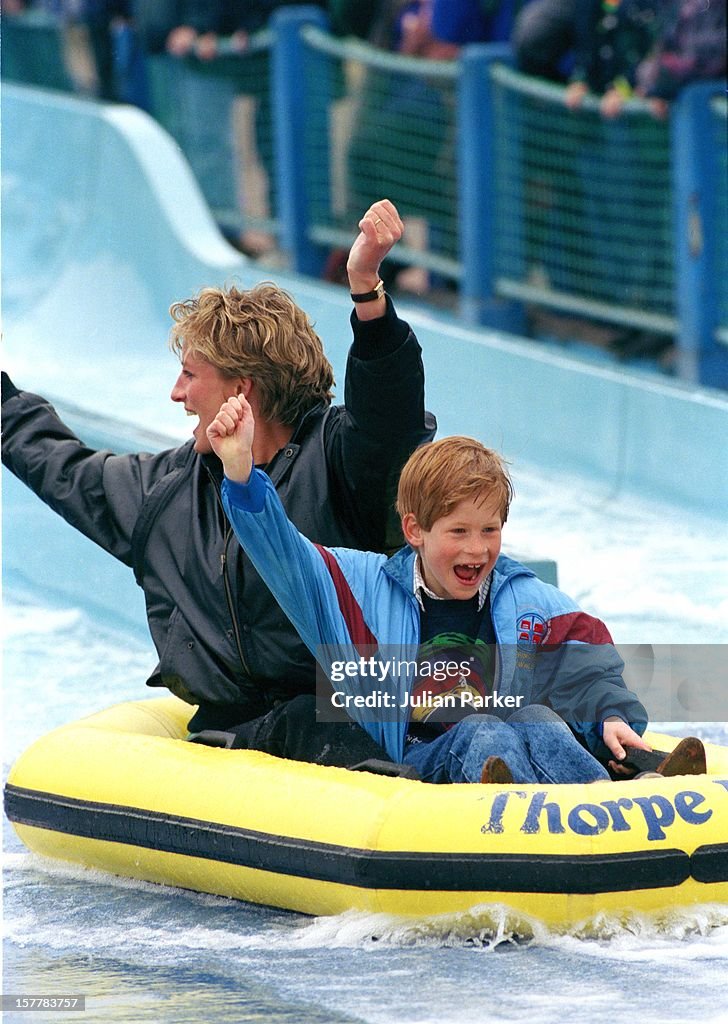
{"type": "Point", "coordinates": [262, 334]}
{"type": "Point", "coordinates": [438, 476]}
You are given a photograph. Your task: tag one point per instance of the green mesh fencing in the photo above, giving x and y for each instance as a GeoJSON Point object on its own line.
{"type": "Point", "coordinates": [34, 51]}
{"type": "Point", "coordinates": [719, 112]}
{"type": "Point", "coordinates": [583, 205]}
{"type": "Point", "coordinates": [391, 134]}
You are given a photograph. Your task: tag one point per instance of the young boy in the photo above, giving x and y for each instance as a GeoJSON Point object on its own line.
{"type": "Point", "coordinates": [449, 594]}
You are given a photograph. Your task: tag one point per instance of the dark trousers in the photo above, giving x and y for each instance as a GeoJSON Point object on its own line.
{"type": "Point", "coordinates": [291, 730]}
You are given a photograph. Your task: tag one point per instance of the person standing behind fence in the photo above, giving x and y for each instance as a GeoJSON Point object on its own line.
{"type": "Point", "coordinates": [622, 263]}
{"type": "Point", "coordinates": [543, 38]}
{"type": "Point", "coordinates": [194, 95]}
{"type": "Point", "coordinates": [690, 47]}
{"type": "Point", "coordinates": [192, 104]}
{"type": "Point", "coordinates": [86, 45]}
{"type": "Point", "coordinates": [397, 135]}
{"type": "Point", "coordinates": [460, 22]}
{"type": "Point", "coordinates": [102, 20]}
{"type": "Point", "coordinates": [402, 143]}
{"type": "Point", "coordinates": [611, 37]}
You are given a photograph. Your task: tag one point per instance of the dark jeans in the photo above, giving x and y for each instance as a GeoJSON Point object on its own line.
{"type": "Point", "coordinates": [291, 730]}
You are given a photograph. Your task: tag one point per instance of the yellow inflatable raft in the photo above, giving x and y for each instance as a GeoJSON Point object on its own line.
{"type": "Point", "coordinates": [123, 792]}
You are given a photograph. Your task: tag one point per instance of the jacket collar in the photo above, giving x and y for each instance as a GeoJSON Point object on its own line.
{"type": "Point", "coordinates": [306, 421]}
{"type": "Point", "coordinates": [302, 428]}
{"type": "Point", "coordinates": [401, 568]}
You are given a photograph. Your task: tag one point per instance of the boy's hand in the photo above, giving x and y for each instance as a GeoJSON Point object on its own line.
{"type": "Point", "coordinates": [616, 733]}
{"type": "Point", "coordinates": [231, 438]}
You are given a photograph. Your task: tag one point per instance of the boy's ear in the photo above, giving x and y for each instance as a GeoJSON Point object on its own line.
{"type": "Point", "coordinates": [412, 530]}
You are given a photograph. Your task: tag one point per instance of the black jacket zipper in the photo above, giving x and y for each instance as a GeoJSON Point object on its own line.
{"type": "Point", "coordinates": [230, 603]}
{"type": "Point", "coordinates": [226, 578]}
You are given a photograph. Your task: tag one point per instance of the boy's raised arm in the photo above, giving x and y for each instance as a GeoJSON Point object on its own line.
{"type": "Point", "coordinates": [231, 436]}
{"type": "Point", "coordinates": [290, 564]}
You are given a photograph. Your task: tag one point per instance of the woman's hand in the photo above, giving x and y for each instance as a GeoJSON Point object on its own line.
{"type": "Point", "coordinates": [379, 229]}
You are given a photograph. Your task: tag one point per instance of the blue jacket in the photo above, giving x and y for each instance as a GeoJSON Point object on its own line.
{"type": "Point", "coordinates": [344, 602]}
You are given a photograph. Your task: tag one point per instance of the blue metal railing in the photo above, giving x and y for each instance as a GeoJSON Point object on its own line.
{"type": "Point", "coordinates": [519, 200]}
{"type": "Point", "coordinates": [620, 247]}
{"type": "Point", "coordinates": [719, 269]}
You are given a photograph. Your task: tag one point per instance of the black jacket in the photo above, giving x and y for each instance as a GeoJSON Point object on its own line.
{"type": "Point", "coordinates": [222, 640]}
{"type": "Point", "coordinates": [155, 19]}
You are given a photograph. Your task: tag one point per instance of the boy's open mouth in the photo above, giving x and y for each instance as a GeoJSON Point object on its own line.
{"type": "Point", "coordinates": [468, 573]}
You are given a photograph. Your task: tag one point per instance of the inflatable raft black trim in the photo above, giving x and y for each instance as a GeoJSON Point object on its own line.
{"type": "Point", "coordinates": [710, 863]}
{"type": "Point", "coordinates": [369, 869]}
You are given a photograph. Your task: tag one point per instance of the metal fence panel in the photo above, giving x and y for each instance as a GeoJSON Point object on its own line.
{"type": "Point", "coordinates": [719, 118]}
{"type": "Point", "coordinates": [391, 132]}
{"type": "Point", "coordinates": [584, 205]}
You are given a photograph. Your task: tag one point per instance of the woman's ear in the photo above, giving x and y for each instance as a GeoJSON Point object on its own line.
{"type": "Point", "coordinates": [412, 530]}
{"type": "Point", "coordinates": [243, 386]}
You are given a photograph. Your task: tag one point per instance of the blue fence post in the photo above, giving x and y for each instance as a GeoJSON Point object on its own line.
{"type": "Point", "coordinates": [701, 357]}
{"type": "Point", "coordinates": [293, 123]}
{"type": "Point", "coordinates": [476, 132]}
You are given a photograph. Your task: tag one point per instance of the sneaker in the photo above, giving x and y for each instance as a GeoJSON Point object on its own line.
{"type": "Point", "coordinates": [688, 758]}
{"type": "Point", "coordinates": [643, 760]}
{"type": "Point", "coordinates": [212, 738]}
{"type": "Point", "coordinates": [647, 775]}
{"type": "Point", "coordinates": [390, 768]}
{"type": "Point", "coordinates": [495, 770]}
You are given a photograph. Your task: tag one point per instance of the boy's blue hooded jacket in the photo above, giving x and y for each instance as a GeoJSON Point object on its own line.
{"type": "Point", "coordinates": [343, 602]}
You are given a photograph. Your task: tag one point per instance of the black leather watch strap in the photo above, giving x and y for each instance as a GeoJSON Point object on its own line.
{"type": "Point", "coordinates": [376, 293]}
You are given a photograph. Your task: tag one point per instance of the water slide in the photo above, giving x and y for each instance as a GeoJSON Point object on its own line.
{"type": "Point", "coordinates": [104, 227]}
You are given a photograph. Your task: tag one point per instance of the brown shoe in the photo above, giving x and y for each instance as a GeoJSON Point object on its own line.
{"type": "Point", "coordinates": [496, 770]}
{"type": "Point", "coordinates": [688, 758]}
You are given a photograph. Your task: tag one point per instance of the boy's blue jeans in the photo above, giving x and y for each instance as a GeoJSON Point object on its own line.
{"type": "Point", "coordinates": [535, 743]}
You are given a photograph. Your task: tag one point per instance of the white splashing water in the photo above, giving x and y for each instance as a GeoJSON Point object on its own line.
{"type": "Point", "coordinates": [652, 571]}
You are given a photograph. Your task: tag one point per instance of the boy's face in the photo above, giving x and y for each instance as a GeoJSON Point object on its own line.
{"type": "Point", "coordinates": [460, 549]}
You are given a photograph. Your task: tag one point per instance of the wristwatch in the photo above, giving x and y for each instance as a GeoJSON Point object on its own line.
{"type": "Point", "coordinates": [376, 293]}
